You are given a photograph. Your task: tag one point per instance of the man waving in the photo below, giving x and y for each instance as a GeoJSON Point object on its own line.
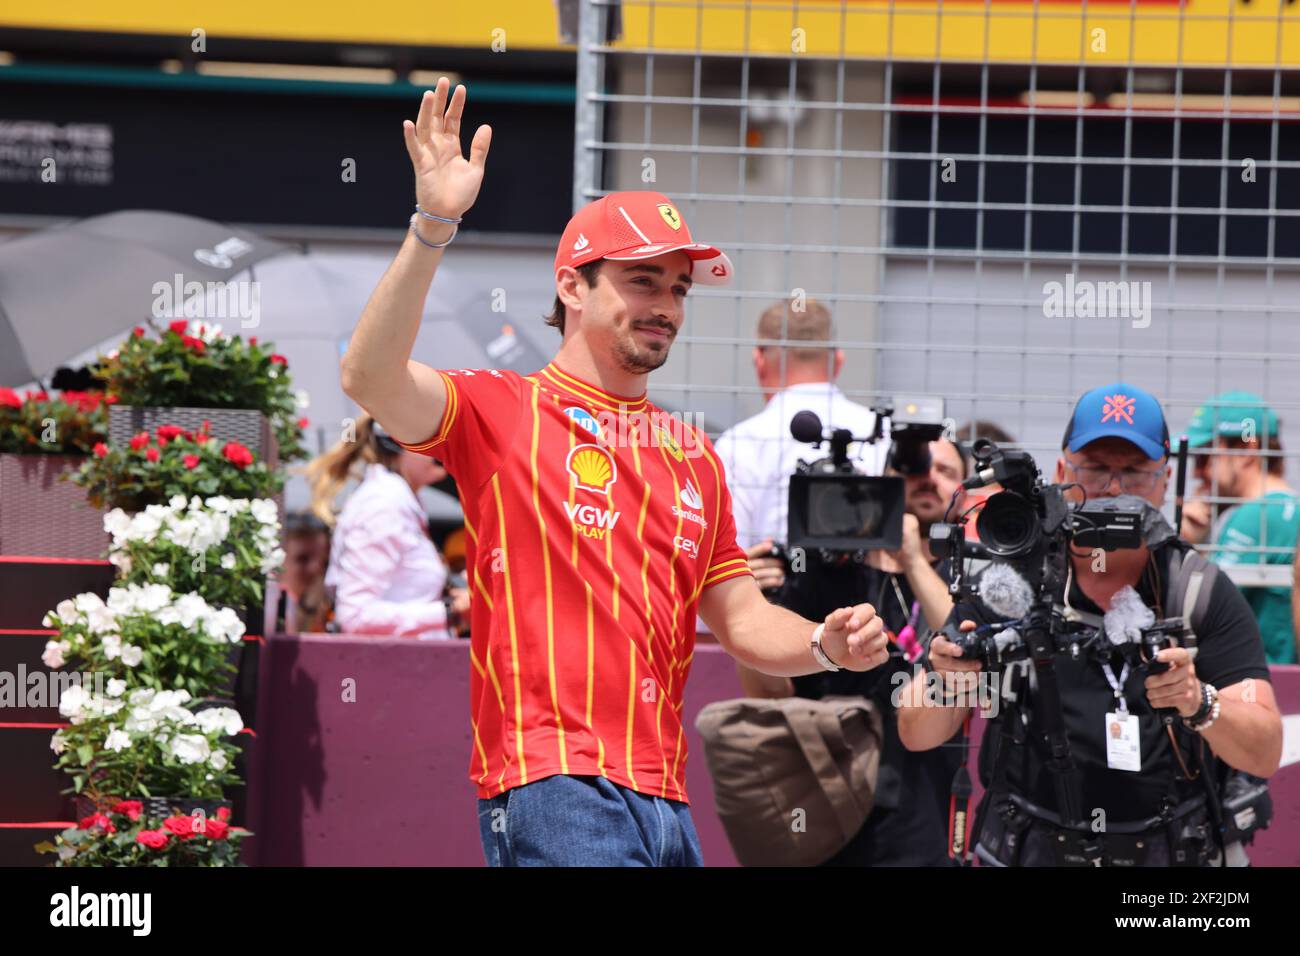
{"type": "Point", "coordinates": [598, 525]}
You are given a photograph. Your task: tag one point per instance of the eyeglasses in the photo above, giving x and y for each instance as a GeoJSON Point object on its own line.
{"type": "Point", "coordinates": [1132, 481]}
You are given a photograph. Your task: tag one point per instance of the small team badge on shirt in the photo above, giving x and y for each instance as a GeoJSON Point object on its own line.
{"type": "Point", "coordinates": [670, 443]}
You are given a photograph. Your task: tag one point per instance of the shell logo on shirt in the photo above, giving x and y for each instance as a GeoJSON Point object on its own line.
{"type": "Point", "coordinates": [591, 467]}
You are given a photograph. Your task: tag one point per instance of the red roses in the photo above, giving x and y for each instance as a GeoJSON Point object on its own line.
{"type": "Point", "coordinates": [237, 454]}
{"type": "Point", "coordinates": [111, 832]}
{"type": "Point", "coordinates": [182, 827]}
{"type": "Point", "coordinates": [132, 808]}
{"type": "Point", "coordinates": [154, 839]}
{"type": "Point", "coordinates": [97, 819]}
{"type": "Point", "coordinates": [166, 433]}
{"type": "Point", "coordinates": [85, 401]}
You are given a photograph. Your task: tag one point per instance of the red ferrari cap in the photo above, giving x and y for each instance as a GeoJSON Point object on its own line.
{"type": "Point", "coordinates": [637, 225]}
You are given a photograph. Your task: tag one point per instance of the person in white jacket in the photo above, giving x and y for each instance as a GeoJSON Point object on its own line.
{"type": "Point", "coordinates": [384, 570]}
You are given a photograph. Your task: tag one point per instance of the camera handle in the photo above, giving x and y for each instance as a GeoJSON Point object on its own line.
{"type": "Point", "coordinates": [1037, 635]}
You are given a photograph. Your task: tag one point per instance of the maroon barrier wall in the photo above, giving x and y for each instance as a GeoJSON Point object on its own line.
{"type": "Point", "coordinates": [382, 778]}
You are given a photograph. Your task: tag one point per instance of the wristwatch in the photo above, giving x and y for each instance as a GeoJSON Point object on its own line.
{"type": "Point", "coordinates": [819, 652]}
{"type": "Point", "coordinates": [1208, 712]}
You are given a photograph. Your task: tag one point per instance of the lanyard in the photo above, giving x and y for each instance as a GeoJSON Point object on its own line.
{"type": "Point", "coordinates": [1117, 685]}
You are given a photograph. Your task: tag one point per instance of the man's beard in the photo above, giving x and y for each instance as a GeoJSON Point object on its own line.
{"type": "Point", "coordinates": [927, 511]}
{"type": "Point", "coordinates": [638, 359]}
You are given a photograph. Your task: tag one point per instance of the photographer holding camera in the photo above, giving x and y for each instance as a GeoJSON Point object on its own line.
{"type": "Point", "coordinates": [906, 823]}
{"type": "Point", "coordinates": [1106, 750]}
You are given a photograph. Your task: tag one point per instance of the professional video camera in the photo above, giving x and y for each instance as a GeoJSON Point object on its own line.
{"type": "Point", "coordinates": [835, 510]}
{"type": "Point", "coordinates": [1026, 531]}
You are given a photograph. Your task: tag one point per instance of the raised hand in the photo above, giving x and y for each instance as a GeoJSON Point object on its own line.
{"type": "Point", "coordinates": [446, 183]}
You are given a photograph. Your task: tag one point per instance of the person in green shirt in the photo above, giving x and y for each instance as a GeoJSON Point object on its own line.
{"type": "Point", "coordinates": [1233, 439]}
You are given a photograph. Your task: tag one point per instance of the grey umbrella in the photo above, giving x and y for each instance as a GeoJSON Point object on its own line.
{"type": "Point", "coordinates": [68, 287]}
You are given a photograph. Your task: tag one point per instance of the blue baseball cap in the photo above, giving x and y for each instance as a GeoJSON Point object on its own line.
{"type": "Point", "coordinates": [1123, 411]}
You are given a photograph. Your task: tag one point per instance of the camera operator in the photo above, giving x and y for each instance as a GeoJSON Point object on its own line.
{"type": "Point", "coordinates": [759, 453]}
{"type": "Point", "coordinates": [1136, 783]}
{"type": "Point", "coordinates": [908, 824]}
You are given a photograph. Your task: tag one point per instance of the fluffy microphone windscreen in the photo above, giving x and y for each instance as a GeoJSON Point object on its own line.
{"type": "Point", "coordinates": [1127, 616]}
{"type": "Point", "coordinates": [1005, 592]}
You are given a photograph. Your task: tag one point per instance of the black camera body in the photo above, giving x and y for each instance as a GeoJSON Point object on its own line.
{"type": "Point", "coordinates": [836, 511]}
{"type": "Point", "coordinates": [1031, 527]}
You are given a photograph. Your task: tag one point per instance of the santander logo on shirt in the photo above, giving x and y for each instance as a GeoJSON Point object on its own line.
{"type": "Point", "coordinates": [690, 497]}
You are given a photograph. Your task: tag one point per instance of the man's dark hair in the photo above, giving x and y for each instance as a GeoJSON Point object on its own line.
{"type": "Point", "coordinates": [1270, 464]}
{"type": "Point", "coordinates": [588, 273]}
{"type": "Point", "coordinates": [966, 435]}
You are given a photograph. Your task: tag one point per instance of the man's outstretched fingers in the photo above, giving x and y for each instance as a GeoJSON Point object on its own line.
{"type": "Point", "coordinates": [424, 119]}
{"type": "Point", "coordinates": [439, 105]}
{"type": "Point", "coordinates": [413, 147]}
{"type": "Point", "coordinates": [451, 122]}
{"type": "Point", "coordinates": [478, 149]}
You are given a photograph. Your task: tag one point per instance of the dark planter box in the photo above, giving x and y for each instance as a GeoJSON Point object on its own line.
{"type": "Point", "coordinates": [247, 426]}
{"type": "Point", "coordinates": [43, 515]}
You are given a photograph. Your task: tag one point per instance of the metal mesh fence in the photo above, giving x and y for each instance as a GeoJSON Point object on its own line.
{"type": "Point", "coordinates": [1001, 229]}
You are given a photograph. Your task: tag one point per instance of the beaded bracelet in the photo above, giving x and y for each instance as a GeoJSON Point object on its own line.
{"type": "Point", "coordinates": [1212, 698]}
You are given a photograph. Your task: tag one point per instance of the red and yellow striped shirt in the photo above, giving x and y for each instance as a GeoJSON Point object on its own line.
{"type": "Point", "coordinates": [594, 524]}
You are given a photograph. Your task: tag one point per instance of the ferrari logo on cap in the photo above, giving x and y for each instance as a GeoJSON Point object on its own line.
{"type": "Point", "coordinates": [670, 215]}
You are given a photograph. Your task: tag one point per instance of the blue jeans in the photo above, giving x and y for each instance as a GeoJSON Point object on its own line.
{"type": "Point", "coordinates": [585, 821]}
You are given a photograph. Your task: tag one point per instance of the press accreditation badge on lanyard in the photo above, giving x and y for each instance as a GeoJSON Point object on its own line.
{"type": "Point", "coordinates": [1123, 744]}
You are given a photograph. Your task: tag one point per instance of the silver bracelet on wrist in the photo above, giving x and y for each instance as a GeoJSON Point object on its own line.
{"type": "Point", "coordinates": [819, 652]}
{"type": "Point", "coordinates": [432, 245]}
{"type": "Point", "coordinates": [429, 215]}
